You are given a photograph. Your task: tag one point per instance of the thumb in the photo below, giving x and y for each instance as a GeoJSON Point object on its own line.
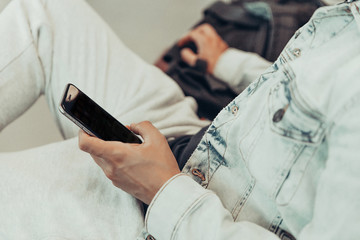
{"type": "Point", "coordinates": [146, 130]}
{"type": "Point", "coordinates": [188, 56]}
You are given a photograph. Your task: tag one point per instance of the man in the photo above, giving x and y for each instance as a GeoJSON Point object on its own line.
{"type": "Point", "coordinates": [280, 160]}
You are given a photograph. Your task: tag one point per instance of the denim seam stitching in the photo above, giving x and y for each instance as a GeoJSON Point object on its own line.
{"type": "Point", "coordinates": [187, 212]}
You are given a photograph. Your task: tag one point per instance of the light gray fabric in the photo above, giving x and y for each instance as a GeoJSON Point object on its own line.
{"type": "Point", "coordinates": [57, 191]}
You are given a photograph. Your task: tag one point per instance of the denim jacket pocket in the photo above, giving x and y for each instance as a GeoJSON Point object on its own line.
{"type": "Point", "coordinates": [299, 128]}
{"type": "Point", "coordinates": [291, 117]}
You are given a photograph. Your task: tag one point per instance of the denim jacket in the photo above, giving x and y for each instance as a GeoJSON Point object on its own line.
{"type": "Point", "coordinates": [282, 160]}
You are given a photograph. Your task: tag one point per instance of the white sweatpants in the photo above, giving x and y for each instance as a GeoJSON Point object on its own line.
{"type": "Point", "coordinates": [57, 191]}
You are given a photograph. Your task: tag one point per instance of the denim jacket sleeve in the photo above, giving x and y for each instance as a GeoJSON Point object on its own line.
{"type": "Point", "coordinates": [239, 68]}
{"type": "Point", "coordinates": [182, 209]}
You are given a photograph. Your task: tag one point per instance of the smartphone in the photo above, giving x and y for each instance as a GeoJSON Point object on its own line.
{"type": "Point", "coordinates": [92, 118]}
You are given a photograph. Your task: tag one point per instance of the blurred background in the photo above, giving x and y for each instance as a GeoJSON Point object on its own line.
{"type": "Point", "coordinates": [146, 26]}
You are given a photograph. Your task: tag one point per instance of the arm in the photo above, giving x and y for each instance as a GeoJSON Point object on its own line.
{"type": "Point", "coordinates": [179, 207]}
{"type": "Point", "coordinates": [182, 209]}
{"type": "Point", "coordinates": [233, 66]}
{"type": "Point", "coordinates": [238, 68]}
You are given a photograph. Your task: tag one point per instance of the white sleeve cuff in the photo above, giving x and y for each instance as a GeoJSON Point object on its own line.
{"type": "Point", "coordinates": [176, 197]}
{"type": "Point", "coordinates": [239, 68]}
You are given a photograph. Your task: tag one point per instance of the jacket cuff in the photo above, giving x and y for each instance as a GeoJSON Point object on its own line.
{"type": "Point", "coordinates": [170, 205]}
{"type": "Point", "coordinates": [239, 68]}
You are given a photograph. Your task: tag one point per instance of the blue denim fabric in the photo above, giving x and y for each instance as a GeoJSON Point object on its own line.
{"type": "Point", "coordinates": [265, 153]}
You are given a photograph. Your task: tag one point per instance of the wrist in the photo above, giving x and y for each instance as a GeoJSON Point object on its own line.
{"type": "Point", "coordinates": [162, 180]}
{"type": "Point", "coordinates": [214, 60]}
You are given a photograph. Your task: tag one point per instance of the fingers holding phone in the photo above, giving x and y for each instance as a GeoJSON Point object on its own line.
{"type": "Point", "coordinates": [139, 169]}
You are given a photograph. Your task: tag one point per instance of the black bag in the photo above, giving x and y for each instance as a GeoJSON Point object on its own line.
{"type": "Point", "coordinates": [260, 27]}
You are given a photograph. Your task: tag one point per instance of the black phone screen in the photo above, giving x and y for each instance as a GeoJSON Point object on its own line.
{"type": "Point", "coordinates": [99, 122]}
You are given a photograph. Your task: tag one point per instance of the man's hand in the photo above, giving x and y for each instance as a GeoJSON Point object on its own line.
{"type": "Point", "coordinates": [139, 169]}
{"type": "Point", "coordinates": [209, 45]}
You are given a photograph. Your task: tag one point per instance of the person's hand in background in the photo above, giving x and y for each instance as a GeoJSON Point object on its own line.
{"type": "Point", "coordinates": [139, 169]}
{"type": "Point", "coordinates": [210, 46]}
